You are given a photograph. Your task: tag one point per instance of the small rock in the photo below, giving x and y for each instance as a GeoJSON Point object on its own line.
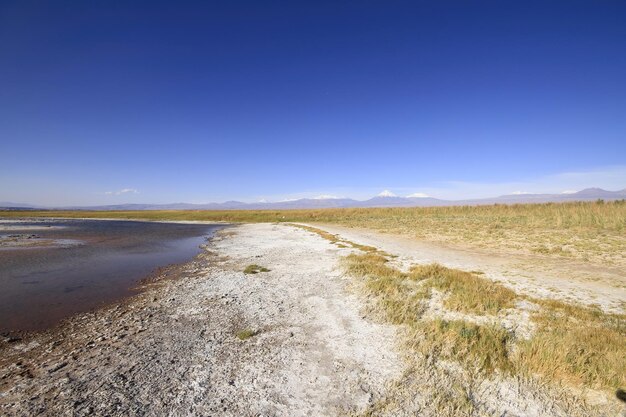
{"type": "Point", "coordinates": [57, 367]}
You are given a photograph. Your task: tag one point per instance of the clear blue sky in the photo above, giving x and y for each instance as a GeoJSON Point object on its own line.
{"type": "Point", "coordinates": [211, 101]}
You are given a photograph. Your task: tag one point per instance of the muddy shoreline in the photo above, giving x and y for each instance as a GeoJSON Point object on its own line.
{"type": "Point", "coordinates": [64, 267]}
{"type": "Point", "coordinates": [159, 274]}
{"type": "Point", "coordinates": [26, 356]}
{"type": "Point", "coordinates": [173, 348]}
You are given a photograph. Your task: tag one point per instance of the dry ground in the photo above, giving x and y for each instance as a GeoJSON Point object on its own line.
{"type": "Point", "coordinates": [302, 339]}
{"type": "Point", "coordinates": [533, 274]}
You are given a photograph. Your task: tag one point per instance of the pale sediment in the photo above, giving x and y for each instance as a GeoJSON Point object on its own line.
{"type": "Point", "coordinates": [174, 350]}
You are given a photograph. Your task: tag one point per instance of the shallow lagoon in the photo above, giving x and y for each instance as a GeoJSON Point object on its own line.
{"type": "Point", "coordinates": [51, 269]}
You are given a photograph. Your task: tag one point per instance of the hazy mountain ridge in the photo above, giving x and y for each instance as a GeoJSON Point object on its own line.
{"type": "Point", "coordinates": [588, 194]}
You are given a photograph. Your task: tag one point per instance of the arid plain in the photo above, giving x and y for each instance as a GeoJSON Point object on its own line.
{"type": "Point", "coordinates": [495, 310]}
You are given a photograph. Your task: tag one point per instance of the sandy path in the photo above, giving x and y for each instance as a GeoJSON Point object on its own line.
{"type": "Point", "coordinates": [172, 350]}
{"type": "Point", "coordinates": [532, 275]}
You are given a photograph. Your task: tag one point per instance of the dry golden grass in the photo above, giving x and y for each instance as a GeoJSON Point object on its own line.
{"type": "Point", "coordinates": [574, 344]}
{"type": "Point", "coordinates": [402, 296]}
{"type": "Point", "coordinates": [396, 292]}
{"type": "Point", "coordinates": [579, 345]}
{"type": "Point", "coordinates": [467, 291]}
{"type": "Point", "coordinates": [335, 239]}
{"type": "Point", "coordinates": [246, 334]}
{"type": "Point", "coordinates": [588, 231]}
{"type": "Point", "coordinates": [479, 347]}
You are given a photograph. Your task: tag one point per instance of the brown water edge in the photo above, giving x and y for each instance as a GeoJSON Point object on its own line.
{"type": "Point", "coordinates": [122, 304]}
{"type": "Point", "coordinates": [44, 294]}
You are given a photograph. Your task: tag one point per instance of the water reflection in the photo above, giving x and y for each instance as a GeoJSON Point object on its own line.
{"type": "Point", "coordinates": [42, 283]}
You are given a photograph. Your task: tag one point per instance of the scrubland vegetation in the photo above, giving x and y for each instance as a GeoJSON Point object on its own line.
{"type": "Point", "coordinates": [574, 345]}
{"type": "Point", "coordinates": [570, 343]}
{"type": "Point", "coordinates": [587, 231]}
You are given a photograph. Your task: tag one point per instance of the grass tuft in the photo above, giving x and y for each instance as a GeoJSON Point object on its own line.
{"type": "Point", "coordinates": [402, 298]}
{"type": "Point", "coordinates": [576, 344]}
{"type": "Point", "coordinates": [246, 334]}
{"type": "Point", "coordinates": [401, 301]}
{"type": "Point", "coordinates": [255, 269]}
{"type": "Point", "coordinates": [466, 292]}
{"type": "Point", "coordinates": [482, 347]}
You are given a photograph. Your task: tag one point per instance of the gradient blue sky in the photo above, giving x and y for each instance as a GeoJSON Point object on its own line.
{"type": "Point", "coordinates": [210, 101]}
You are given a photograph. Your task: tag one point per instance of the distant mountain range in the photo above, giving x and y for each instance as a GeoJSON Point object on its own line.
{"type": "Point", "coordinates": [385, 199]}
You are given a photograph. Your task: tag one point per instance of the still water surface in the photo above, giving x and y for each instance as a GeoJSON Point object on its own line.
{"type": "Point", "coordinates": [82, 264]}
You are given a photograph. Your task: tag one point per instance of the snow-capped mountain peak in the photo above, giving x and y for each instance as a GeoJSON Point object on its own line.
{"type": "Point", "coordinates": [386, 193]}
